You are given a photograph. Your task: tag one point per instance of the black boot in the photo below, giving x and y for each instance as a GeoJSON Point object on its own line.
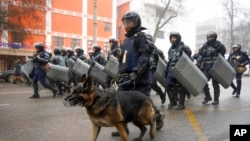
{"type": "Point", "coordinates": [158, 90]}
{"type": "Point", "coordinates": [36, 94]}
{"type": "Point", "coordinates": [171, 98]}
{"type": "Point", "coordinates": [181, 106]}
{"type": "Point", "coordinates": [207, 95]}
{"type": "Point", "coordinates": [238, 88]}
{"type": "Point", "coordinates": [216, 93]}
{"type": "Point", "coordinates": [234, 88]}
{"type": "Point", "coordinates": [215, 102]}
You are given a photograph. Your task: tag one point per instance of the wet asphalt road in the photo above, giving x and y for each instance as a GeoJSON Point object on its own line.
{"type": "Point", "coordinates": [46, 119]}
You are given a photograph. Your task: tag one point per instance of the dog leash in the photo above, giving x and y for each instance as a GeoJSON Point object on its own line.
{"type": "Point", "coordinates": [120, 84]}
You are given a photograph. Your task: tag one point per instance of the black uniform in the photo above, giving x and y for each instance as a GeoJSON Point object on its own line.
{"type": "Point", "coordinates": [209, 52]}
{"type": "Point", "coordinates": [238, 60]}
{"type": "Point", "coordinates": [173, 87]}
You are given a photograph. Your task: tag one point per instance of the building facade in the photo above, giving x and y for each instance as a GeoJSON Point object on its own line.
{"type": "Point", "coordinates": [62, 23]}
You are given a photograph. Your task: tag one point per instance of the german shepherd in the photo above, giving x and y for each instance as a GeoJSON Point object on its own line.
{"type": "Point", "coordinates": [113, 109]}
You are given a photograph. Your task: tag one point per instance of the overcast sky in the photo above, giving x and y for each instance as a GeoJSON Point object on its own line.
{"type": "Point", "coordinates": [206, 9]}
{"type": "Point", "coordinates": [198, 11]}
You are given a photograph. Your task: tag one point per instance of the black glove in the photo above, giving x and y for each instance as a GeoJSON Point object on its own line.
{"type": "Point", "coordinates": [133, 76]}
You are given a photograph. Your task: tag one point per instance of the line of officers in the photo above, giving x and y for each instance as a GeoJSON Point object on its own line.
{"type": "Point", "coordinates": [138, 59]}
{"type": "Point", "coordinates": [61, 55]}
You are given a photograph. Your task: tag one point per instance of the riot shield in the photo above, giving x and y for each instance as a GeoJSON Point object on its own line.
{"type": "Point", "coordinates": [27, 68]}
{"type": "Point", "coordinates": [97, 74]}
{"type": "Point", "coordinates": [80, 68]}
{"type": "Point", "coordinates": [111, 68]}
{"type": "Point", "coordinates": [222, 72]}
{"type": "Point", "coordinates": [58, 73]}
{"type": "Point", "coordinates": [160, 72]}
{"type": "Point", "coordinates": [189, 75]}
{"type": "Point", "coordinates": [70, 63]}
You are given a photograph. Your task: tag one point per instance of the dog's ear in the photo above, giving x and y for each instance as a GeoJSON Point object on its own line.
{"type": "Point", "coordinates": [84, 78]}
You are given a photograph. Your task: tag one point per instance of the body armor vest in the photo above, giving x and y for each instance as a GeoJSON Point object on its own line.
{"type": "Point", "coordinates": [210, 55]}
{"type": "Point", "coordinates": [174, 55]}
{"type": "Point", "coordinates": [129, 56]}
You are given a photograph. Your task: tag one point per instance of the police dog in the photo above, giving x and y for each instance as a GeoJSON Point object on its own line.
{"type": "Point", "coordinates": [113, 109]}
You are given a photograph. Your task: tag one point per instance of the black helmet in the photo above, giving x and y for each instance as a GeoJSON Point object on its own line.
{"type": "Point", "coordinates": [64, 51]}
{"type": "Point", "coordinates": [79, 50]}
{"type": "Point", "coordinates": [237, 46]}
{"type": "Point", "coordinates": [132, 16]}
{"type": "Point", "coordinates": [70, 52]}
{"type": "Point", "coordinates": [113, 41]}
{"type": "Point", "coordinates": [175, 34]}
{"type": "Point", "coordinates": [96, 48]}
{"type": "Point", "coordinates": [57, 51]}
{"type": "Point", "coordinates": [212, 34]}
{"type": "Point", "coordinates": [39, 46]}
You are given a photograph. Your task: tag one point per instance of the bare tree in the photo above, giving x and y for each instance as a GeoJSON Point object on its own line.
{"type": "Point", "coordinates": [233, 11]}
{"type": "Point", "coordinates": [18, 16]}
{"type": "Point", "coordinates": [242, 34]}
{"type": "Point", "coordinates": [161, 13]}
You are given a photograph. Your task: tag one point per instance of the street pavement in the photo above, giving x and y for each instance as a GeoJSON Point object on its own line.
{"type": "Point", "coordinates": [46, 118]}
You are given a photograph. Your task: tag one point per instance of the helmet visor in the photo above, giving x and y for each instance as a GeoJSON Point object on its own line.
{"type": "Point", "coordinates": [129, 22]}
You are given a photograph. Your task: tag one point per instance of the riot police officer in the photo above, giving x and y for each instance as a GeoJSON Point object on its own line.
{"type": "Point", "coordinates": [80, 54]}
{"type": "Point", "coordinates": [97, 56]}
{"type": "Point", "coordinates": [173, 87]}
{"type": "Point", "coordinates": [134, 63]}
{"type": "Point", "coordinates": [115, 50]}
{"type": "Point", "coordinates": [209, 52]}
{"type": "Point", "coordinates": [41, 59]}
{"type": "Point", "coordinates": [58, 59]}
{"type": "Point", "coordinates": [238, 60]}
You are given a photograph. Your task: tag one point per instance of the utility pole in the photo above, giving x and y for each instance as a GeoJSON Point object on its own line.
{"type": "Point", "coordinates": [95, 23]}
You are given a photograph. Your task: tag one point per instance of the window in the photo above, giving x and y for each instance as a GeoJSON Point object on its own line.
{"type": "Point", "coordinates": [75, 42]}
{"type": "Point", "coordinates": [160, 34]}
{"type": "Point", "coordinates": [107, 26]}
{"type": "Point", "coordinates": [58, 41]}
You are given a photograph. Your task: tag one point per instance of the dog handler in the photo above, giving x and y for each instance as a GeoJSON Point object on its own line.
{"type": "Point", "coordinates": [135, 61]}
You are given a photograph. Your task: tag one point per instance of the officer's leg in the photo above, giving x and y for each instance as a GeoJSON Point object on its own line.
{"type": "Point", "coordinates": [158, 90]}
{"type": "Point", "coordinates": [182, 94]}
{"type": "Point", "coordinates": [216, 92]}
{"type": "Point", "coordinates": [206, 88]}
{"type": "Point", "coordinates": [234, 87]}
{"type": "Point", "coordinates": [171, 91]}
{"type": "Point", "coordinates": [188, 94]}
{"type": "Point", "coordinates": [35, 85]}
{"type": "Point", "coordinates": [207, 94]}
{"type": "Point", "coordinates": [171, 96]}
{"type": "Point", "coordinates": [42, 79]}
{"type": "Point", "coordinates": [238, 81]}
